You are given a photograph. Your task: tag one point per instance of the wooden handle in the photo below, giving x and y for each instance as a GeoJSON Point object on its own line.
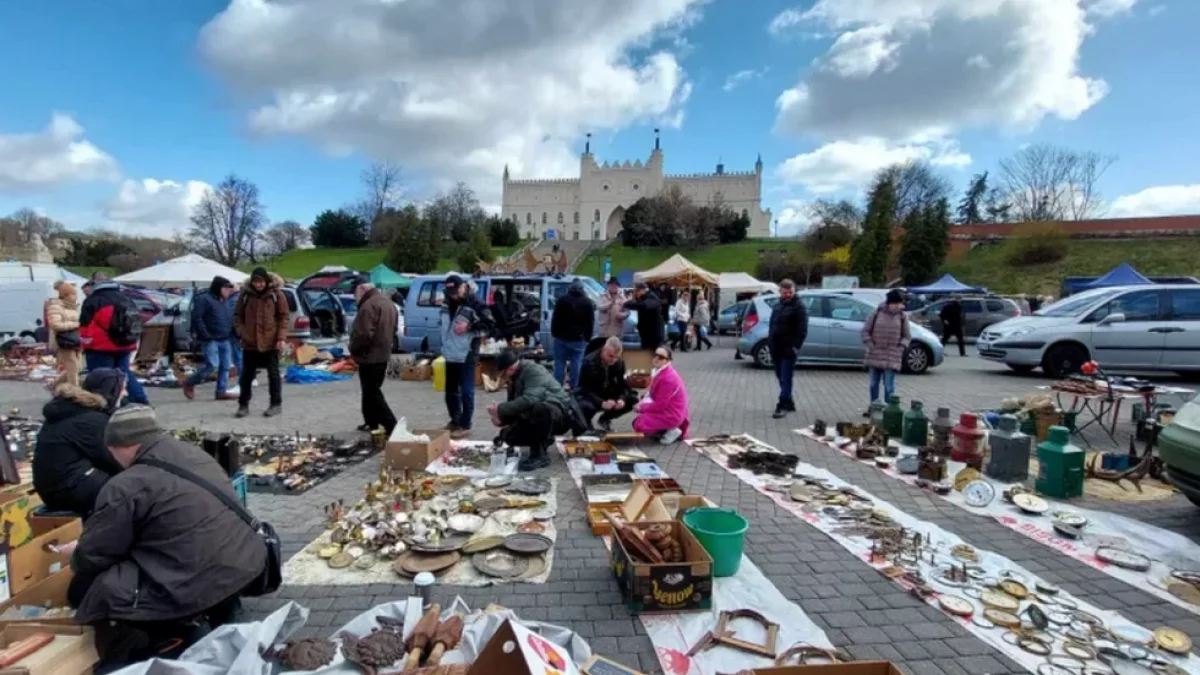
{"type": "Point", "coordinates": [22, 648]}
{"type": "Point", "coordinates": [435, 657]}
{"type": "Point", "coordinates": [414, 659]}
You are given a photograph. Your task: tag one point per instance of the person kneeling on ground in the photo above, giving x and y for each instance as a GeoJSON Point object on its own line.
{"type": "Point", "coordinates": [602, 386]}
{"type": "Point", "coordinates": [664, 411]}
{"type": "Point", "coordinates": [71, 463]}
{"type": "Point", "coordinates": [162, 559]}
{"type": "Point", "coordinates": [537, 410]}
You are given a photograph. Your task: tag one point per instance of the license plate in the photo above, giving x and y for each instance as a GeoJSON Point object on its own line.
{"type": "Point", "coordinates": [983, 346]}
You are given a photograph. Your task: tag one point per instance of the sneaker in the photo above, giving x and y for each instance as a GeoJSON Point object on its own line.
{"type": "Point", "coordinates": [671, 436]}
{"type": "Point", "coordinates": [254, 383]}
{"type": "Point", "coordinates": [273, 411]}
{"type": "Point", "coordinates": [243, 411]}
{"type": "Point", "coordinates": [790, 406]}
{"type": "Point", "coordinates": [189, 391]}
{"type": "Point", "coordinates": [780, 412]}
{"type": "Point", "coordinates": [533, 463]}
{"type": "Point", "coordinates": [451, 427]}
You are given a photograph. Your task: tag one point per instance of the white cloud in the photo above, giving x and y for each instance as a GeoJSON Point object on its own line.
{"type": "Point", "coordinates": [152, 207]}
{"type": "Point", "coordinates": [842, 165]}
{"type": "Point", "coordinates": [742, 77]}
{"type": "Point", "coordinates": [56, 156]}
{"type": "Point", "coordinates": [901, 68]}
{"type": "Point", "coordinates": [1109, 8]}
{"type": "Point", "coordinates": [793, 218]}
{"type": "Point", "coordinates": [1163, 200]}
{"type": "Point", "coordinates": [455, 90]}
{"type": "Point", "coordinates": [1156, 10]}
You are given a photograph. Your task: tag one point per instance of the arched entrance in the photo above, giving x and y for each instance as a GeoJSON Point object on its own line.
{"type": "Point", "coordinates": [613, 229]}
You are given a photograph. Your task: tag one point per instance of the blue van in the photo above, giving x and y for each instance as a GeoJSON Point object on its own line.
{"type": "Point", "coordinates": [525, 298]}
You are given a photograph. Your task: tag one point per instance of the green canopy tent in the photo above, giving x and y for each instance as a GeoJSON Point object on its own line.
{"type": "Point", "coordinates": [383, 276]}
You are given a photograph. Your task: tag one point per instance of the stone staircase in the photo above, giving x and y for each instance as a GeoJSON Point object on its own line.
{"type": "Point", "coordinates": [576, 250]}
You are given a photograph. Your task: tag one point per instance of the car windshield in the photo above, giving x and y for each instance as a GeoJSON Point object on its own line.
{"type": "Point", "coordinates": [593, 287]}
{"type": "Point", "coordinates": [348, 304]}
{"type": "Point", "coordinates": [1077, 304]}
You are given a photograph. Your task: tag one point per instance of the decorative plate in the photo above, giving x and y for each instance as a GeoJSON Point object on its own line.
{"type": "Point", "coordinates": [528, 544]}
{"type": "Point", "coordinates": [1070, 519]}
{"type": "Point", "coordinates": [1002, 601]}
{"type": "Point", "coordinates": [1121, 558]}
{"type": "Point", "coordinates": [953, 604]}
{"type": "Point", "coordinates": [497, 481]}
{"type": "Point", "coordinates": [415, 563]}
{"type": "Point", "coordinates": [532, 527]}
{"type": "Point", "coordinates": [1068, 531]}
{"type": "Point", "coordinates": [1043, 587]}
{"type": "Point", "coordinates": [443, 545]}
{"type": "Point", "coordinates": [514, 518]}
{"type": "Point", "coordinates": [355, 551]}
{"type": "Point", "coordinates": [329, 551]}
{"type": "Point", "coordinates": [500, 564]}
{"type": "Point", "coordinates": [1031, 503]}
{"type": "Point", "coordinates": [1002, 618]}
{"type": "Point", "coordinates": [533, 485]}
{"type": "Point", "coordinates": [537, 565]}
{"type": "Point", "coordinates": [1172, 640]}
{"type": "Point", "coordinates": [465, 522]}
{"type": "Point", "coordinates": [482, 544]}
{"type": "Point", "coordinates": [978, 493]}
{"type": "Point", "coordinates": [983, 623]}
{"type": "Point", "coordinates": [365, 561]}
{"type": "Point", "coordinates": [340, 561]}
{"type": "Point", "coordinates": [1127, 632]}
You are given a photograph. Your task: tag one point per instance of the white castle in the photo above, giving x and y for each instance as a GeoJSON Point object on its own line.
{"type": "Point", "coordinates": [592, 206]}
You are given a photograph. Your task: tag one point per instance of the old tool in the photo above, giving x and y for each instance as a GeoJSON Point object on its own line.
{"type": "Point", "coordinates": [24, 647]}
{"type": "Point", "coordinates": [447, 637]}
{"type": "Point", "coordinates": [722, 635]}
{"type": "Point", "coordinates": [422, 636]}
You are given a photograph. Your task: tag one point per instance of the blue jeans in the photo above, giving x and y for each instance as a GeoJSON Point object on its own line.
{"type": "Point", "coordinates": [889, 383]}
{"type": "Point", "coordinates": [216, 355]}
{"type": "Point", "coordinates": [120, 361]}
{"type": "Point", "coordinates": [785, 372]}
{"type": "Point", "coordinates": [568, 355]}
{"type": "Point", "coordinates": [235, 352]}
{"type": "Point", "coordinates": [460, 393]}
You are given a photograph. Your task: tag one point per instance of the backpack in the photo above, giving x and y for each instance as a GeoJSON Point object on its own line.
{"type": "Point", "coordinates": [125, 326]}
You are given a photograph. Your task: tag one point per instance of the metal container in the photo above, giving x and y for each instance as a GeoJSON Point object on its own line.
{"type": "Point", "coordinates": [1060, 465]}
{"type": "Point", "coordinates": [893, 418]}
{"type": "Point", "coordinates": [968, 441]}
{"type": "Point", "coordinates": [1009, 462]}
{"type": "Point", "coordinates": [916, 426]}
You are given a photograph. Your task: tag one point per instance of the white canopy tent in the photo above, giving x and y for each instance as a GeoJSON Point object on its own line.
{"type": "Point", "coordinates": [185, 271]}
{"type": "Point", "coordinates": [740, 282]}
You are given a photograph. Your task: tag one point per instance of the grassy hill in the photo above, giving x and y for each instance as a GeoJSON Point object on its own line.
{"type": "Point", "coordinates": [739, 257]}
{"type": "Point", "coordinates": [986, 266]}
{"type": "Point", "coordinates": [300, 263]}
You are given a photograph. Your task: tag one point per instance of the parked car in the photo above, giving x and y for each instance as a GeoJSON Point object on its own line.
{"type": "Point", "coordinates": [1127, 327]}
{"type": "Point", "coordinates": [1179, 448]}
{"type": "Point", "coordinates": [21, 307]}
{"type": "Point", "coordinates": [835, 323]}
{"type": "Point", "coordinates": [730, 318]}
{"type": "Point", "coordinates": [148, 307]}
{"type": "Point", "coordinates": [978, 314]}
{"type": "Point", "coordinates": [536, 294]}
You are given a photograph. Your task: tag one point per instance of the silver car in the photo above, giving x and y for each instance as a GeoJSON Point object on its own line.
{"type": "Point", "coordinates": [835, 324]}
{"type": "Point", "coordinates": [1154, 327]}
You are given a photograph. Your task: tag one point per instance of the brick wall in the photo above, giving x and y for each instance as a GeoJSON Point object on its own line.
{"type": "Point", "coordinates": [963, 237]}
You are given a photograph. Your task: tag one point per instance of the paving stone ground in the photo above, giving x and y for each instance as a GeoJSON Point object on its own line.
{"type": "Point", "coordinates": [859, 610]}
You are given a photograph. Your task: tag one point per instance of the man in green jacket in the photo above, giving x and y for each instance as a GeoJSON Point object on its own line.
{"type": "Point", "coordinates": [537, 409]}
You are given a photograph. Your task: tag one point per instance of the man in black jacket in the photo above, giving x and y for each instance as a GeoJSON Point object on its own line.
{"type": "Point", "coordinates": [71, 463]}
{"type": "Point", "coordinates": [952, 323]}
{"type": "Point", "coordinates": [650, 323]}
{"type": "Point", "coordinates": [571, 326]}
{"type": "Point", "coordinates": [789, 328]}
{"type": "Point", "coordinates": [602, 386]}
{"type": "Point", "coordinates": [212, 324]}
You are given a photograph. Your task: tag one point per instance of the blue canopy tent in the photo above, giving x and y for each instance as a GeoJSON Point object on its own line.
{"type": "Point", "coordinates": [947, 284]}
{"type": "Point", "coordinates": [625, 277]}
{"type": "Point", "coordinates": [1121, 275]}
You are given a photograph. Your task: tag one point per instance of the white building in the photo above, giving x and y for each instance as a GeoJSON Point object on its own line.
{"type": "Point", "coordinates": [592, 206]}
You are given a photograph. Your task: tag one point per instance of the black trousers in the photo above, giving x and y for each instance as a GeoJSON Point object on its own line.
{"type": "Point", "coordinates": [252, 360]}
{"type": "Point", "coordinates": [950, 331]}
{"type": "Point", "coordinates": [460, 393]}
{"type": "Point", "coordinates": [536, 428]}
{"type": "Point", "coordinates": [589, 409]}
{"type": "Point", "coordinates": [375, 410]}
{"type": "Point", "coordinates": [124, 643]}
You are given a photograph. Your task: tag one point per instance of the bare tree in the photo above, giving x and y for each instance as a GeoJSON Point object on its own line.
{"type": "Point", "coordinates": [383, 184]}
{"type": "Point", "coordinates": [843, 213]}
{"type": "Point", "coordinates": [457, 212]}
{"type": "Point", "coordinates": [284, 236]}
{"type": "Point", "coordinates": [226, 222]}
{"type": "Point", "coordinates": [918, 187]}
{"type": "Point", "coordinates": [1045, 182]}
{"type": "Point", "coordinates": [19, 228]}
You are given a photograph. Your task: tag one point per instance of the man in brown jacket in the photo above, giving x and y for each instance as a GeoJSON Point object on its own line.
{"type": "Point", "coordinates": [261, 321]}
{"type": "Point", "coordinates": [371, 341]}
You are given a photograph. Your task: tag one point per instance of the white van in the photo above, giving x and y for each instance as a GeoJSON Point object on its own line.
{"type": "Point", "coordinates": [11, 271]}
{"type": "Point", "coordinates": [21, 306]}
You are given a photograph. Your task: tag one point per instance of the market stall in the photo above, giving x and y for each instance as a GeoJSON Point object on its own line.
{"type": "Point", "coordinates": [678, 272]}
{"type": "Point", "coordinates": [383, 276]}
{"type": "Point", "coordinates": [947, 285]}
{"type": "Point", "coordinates": [186, 271]}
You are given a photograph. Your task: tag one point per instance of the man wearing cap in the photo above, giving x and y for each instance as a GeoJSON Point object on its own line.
{"type": "Point", "coordinates": [649, 316]}
{"type": "Point", "coordinates": [465, 321]}
{"type": "Point", "coordinates": [261, 321]}
{"type": "Point", "coordinates": [212, 324]}
{"type": "Point", "coordinates": [371, 341]}
{"type": "Point", "coordinates": [537, 410]}
{"type": "Point", "coordinates": [161, 556]}
{"type": "Point", "coordinates": [612, 310]}
{"type": "Point", "coordinates": [571, 326]}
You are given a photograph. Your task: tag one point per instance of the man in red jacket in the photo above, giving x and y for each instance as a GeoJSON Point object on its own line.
{"type": "Point", "coordinates": [109, 329]}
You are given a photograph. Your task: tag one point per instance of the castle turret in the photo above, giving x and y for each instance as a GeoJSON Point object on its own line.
{"type": "Point", "coordinates": [505, 173]}
{"type": "Point", "coordinates": [758, 165]}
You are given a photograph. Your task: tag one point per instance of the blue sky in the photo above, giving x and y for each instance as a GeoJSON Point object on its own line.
{"type": "Point", "coordinates": [158, 100]}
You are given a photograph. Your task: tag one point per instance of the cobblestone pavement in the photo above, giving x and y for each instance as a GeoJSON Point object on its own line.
{"type": "Point", "coordinates": [859, 610]}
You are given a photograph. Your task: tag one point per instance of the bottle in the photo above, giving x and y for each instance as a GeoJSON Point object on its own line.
{"type": "Point", "coordinates": [916, 426]}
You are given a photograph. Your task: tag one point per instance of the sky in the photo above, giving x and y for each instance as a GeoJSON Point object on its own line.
{"type": "Point", "coordinates": [121, 114]}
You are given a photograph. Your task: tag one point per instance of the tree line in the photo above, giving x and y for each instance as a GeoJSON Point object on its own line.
{"type": "Point", "coordinates": [671, 218]}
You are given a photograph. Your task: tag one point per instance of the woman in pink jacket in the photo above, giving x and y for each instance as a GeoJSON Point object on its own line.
{"type": "Point", "coordinates": [664, 410]}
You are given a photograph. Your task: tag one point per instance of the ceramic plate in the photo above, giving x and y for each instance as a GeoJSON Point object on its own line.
{"type": "Point", "coordinates": [465, 522]}
{"type": "Point", "coordinates": [415, 563]}
{"type": "Point", "coordinates": [441, 546]}
{"type": "Point", "coordinates": [1070, 519]}
{"type": "Point", "coordinates": [528, 543]}
{"type": "Point", "coordinates": [497, 481]}
{"type": "Point", "coordinates": [500, 564]}
{"type": "Point", "coordinates": [1002, 618]}
{"type": "Point", "coordinates": [543, 514]}
{"type": "Point", "coordinates": [1031, 503]}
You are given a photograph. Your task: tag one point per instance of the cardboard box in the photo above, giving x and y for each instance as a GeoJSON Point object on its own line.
{"type": "Point", "coordinates": [416, 456]}
{"type": "Point", "coordinates": [420, 371]}
{"type": "Point", "coordinates": [676, 504]}
{"type": "Point", "coordinates": [71, 652]}
{"type": "Point", "coordinates": [50, 592]}
{"type": "Point", "coordinates": [16, 508]}
{"type": "Point", "coordinates": [34, 561]}
{"type": "Point", "coordinates": [852, 668]}
{"type": "Point", "coordinates": [640, 505]}
{"type": "Point", "coordinates": [649, 588]}
{"type": "Point", "coordinates": [516, 650]}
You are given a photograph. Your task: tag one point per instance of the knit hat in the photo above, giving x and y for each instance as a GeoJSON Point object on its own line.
{"type": "Point", "coordinates": [260, 273]}
{"type": "Point", "coordinates": [105, 382]}
{"type": "Point", "coordinates": [894, 296]}
{"type": "Point", "coordinates": [131, 425]}
{"type": "Point", "coordinates": [452, 283]}
{"type": "Point", "coordinates": [507, 359]}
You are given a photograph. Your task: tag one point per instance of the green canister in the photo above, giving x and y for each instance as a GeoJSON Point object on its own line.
{"type": "Point", "coordinates": [916, 426]}
{"type": "Point", "coordinates": [893, 418]}
{"type": "Point", "coordinates": [1060, 465]}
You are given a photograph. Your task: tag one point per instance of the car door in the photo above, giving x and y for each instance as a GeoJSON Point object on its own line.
{"type": "Point", "coordinates": [1136, 342]}
{"type": "Point", "coordinates": [972, 317]}
{"type": "Point", "coordinates": [425, 324]}
{"type": "Point", "coordinates": [816, 343]}
{"type": "Point", "coordinates": [846, 318]}
{"type": "Point", "coordinates": [1181, 348]}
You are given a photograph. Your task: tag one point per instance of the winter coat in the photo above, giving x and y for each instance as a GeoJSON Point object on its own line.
{"type": "Point", "coordinates": [531, 385]}
{"type": "Point", "coordinates": [599, 383]}
{"type": "Point", "coordinates": [612, 314]}
{"type": "Point", "coordinates": [160, 548]}
{"type": "Point", "coordinates": [683, 309]}
{"type": "Point", "coordinates": [261, 319]}
{"type": "Point", "coordinates": [702, 317]}
{"type": "Point", "coordinates": [61, 317]}
{"type": "Point", "coordinates": [650, 324]}
{"type": "Point", "coordinates": [789, 326]}
{"type": "Point", "coordinates": [886, 336]}
{"type": "Point", "coordinates": [71, 463]}
{"type": "Point", "coordinates": [97, 314]}
{"type": "Point", "coordinates": [951, 315]}
{"type": "Point", "coordinates": [212, 317]}
{"type": "Point", "coordinates": [374, 330]}
{"type": "Point", "coordinates": [665, 406]}
{"type": "Point", "coordinates": [477, 316]}
{"type": "Point", "coordinates": [574, 318]}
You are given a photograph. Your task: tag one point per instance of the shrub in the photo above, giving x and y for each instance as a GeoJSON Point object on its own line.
{"type": "Point", "coordinates": [1036, 243]}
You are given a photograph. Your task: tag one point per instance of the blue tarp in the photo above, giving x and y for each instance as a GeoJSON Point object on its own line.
{"type": "Point", "coordinates": [1121, 275]}
{"type": "Point", "coordinates": [302, 375]}
{"type": "Point", "coordinates": [947, 284]}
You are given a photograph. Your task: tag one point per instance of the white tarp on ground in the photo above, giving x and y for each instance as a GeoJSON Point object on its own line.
{"type": "Point", "coordinates": [740, 282]}
{"type": "Point", "coordinates": [1168, 551]}
{"type": "Point", "coordinates": [674, 635]}
{"type": "Point", "coordinates": [183, 272]}
{"type": "Point", "coordinates": [993, 564]}
{"type": "Point", "coordinates": [237, 649]}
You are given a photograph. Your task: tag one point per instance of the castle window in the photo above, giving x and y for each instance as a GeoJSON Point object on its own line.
{"type": "Point", "coordinates": [560, 220]}
{"type": "Point", "coordinates": [745, 213]}
{"type": "Point", "coordinates": [576, 235]}
{"type": "Point", "coordinates": [528, 218]}
{"type": "Point", "coordinates": [635, 187]}
{"type": "Point", "coordinates": [543, 217]}
{"type": "Point", "coordinates": [596, 219]}
{"type": "Point", "coordinates": [576, 217]}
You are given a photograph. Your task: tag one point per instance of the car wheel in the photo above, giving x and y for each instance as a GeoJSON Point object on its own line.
{"type": "Point", "coordinates": [1023, 370]}
{"type": "Point", "coordinates": [917, 359]}
{"type": "Point", "coordinates": [762, 356]}
{"type": "Point", "coordinates": [1064, 360]}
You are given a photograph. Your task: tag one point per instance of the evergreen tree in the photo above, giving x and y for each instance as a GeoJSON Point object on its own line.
{"type": "Point", "coordinates": [969, 211]}
{"type": "Point", "coordinates": [914, 257]}
{"type": "Point", "coordinates": [414, 246]}
{"type": "Point", "coordinates": [871, 251]}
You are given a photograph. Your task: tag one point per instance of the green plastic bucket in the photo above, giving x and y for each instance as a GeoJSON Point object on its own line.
{"type": "Point", "coordinates": [722, 532]}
